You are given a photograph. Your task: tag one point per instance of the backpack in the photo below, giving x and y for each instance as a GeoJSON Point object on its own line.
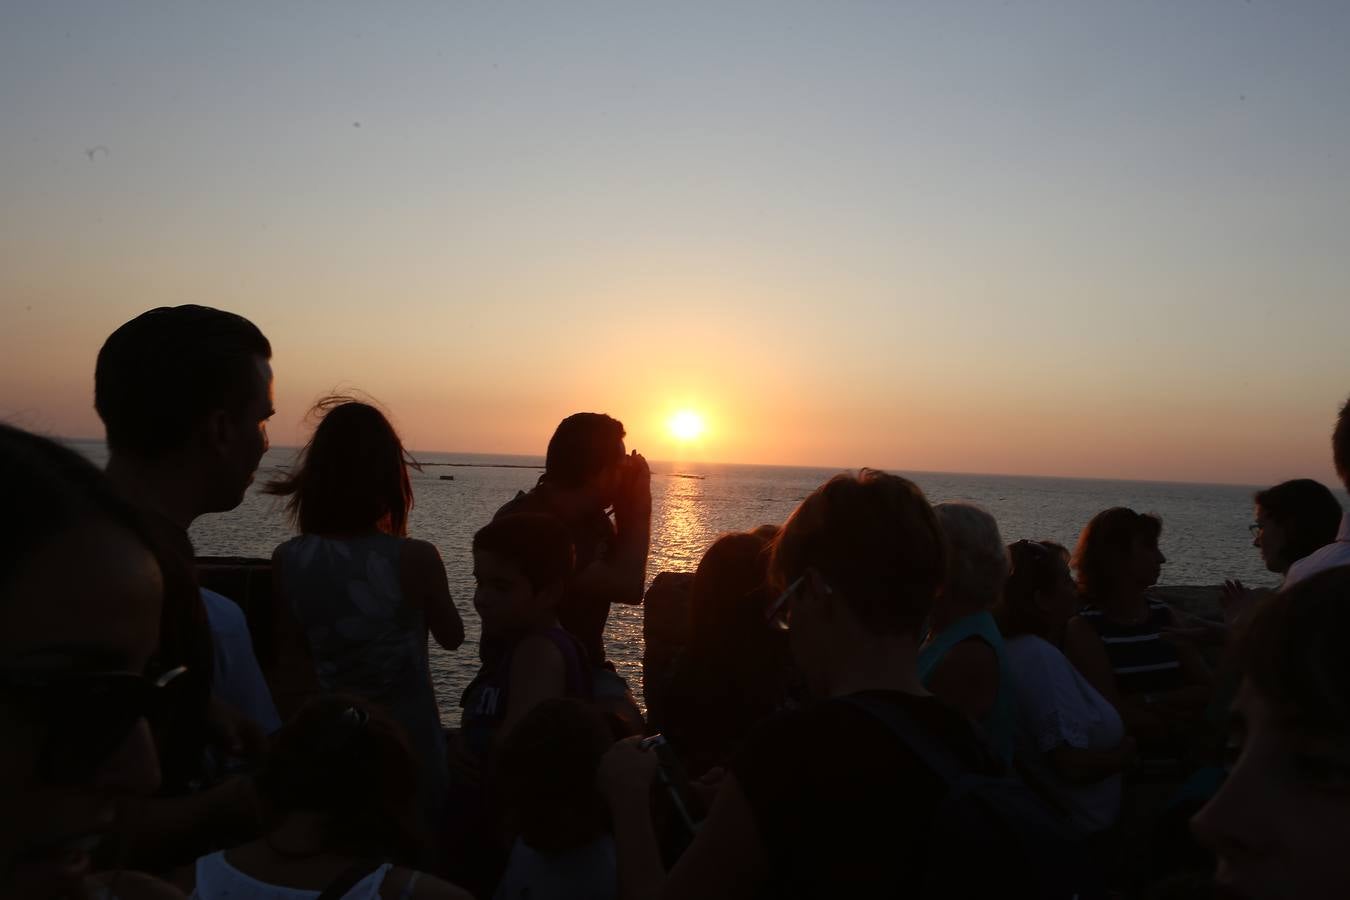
{"type": "Point", "coordinates": [990, 811]}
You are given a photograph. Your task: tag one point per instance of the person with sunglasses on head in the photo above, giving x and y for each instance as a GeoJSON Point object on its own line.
{"type": "Point", "coordinates": [340, 816]}
{"type": "Point", "coordinates": [841, 798]}
{"type": "Point", "coordinates": [81, 593]}
{"type": "Point", "coordinates": [1071, 736]}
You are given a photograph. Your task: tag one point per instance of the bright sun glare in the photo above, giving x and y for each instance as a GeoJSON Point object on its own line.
{"type": "Point", "coordinates": [686, 425]}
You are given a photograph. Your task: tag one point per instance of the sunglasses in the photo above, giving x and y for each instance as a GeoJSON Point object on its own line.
{"type": "Point", "coordinates": [86, 716]}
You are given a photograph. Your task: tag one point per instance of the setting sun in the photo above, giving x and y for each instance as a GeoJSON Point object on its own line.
{"type": "Point", "coordinates": [686, 425]}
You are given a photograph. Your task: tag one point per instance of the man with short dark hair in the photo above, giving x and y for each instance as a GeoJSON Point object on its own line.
{"type": "Point", "coordinates": [185, 393]}
{"type": "Point", "coordinates": [586, 473]}
{"type": "Point", "coordinates": [1336, 553]}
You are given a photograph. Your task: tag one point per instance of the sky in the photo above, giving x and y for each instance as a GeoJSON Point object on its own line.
{"type": "Point", "coordinates": [1093, 239]}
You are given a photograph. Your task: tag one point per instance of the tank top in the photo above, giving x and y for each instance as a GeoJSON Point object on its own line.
{"type": "Point", "coordinates": [218, 880]}
{"type": "Point", "coordinates": [365, 638]}
{"type": "Point", "coordinates": [1143, 662]}
{"type": "Point", "coordinates": [1000, 724]}
{"type": "Point", "coordinates": [487, 697]}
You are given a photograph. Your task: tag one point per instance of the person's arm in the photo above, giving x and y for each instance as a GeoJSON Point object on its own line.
{"type": "Point", "coordinates": [423, 580]}
{"type": "Point", "coordinates": [622, 575]}
{"type": "Point", "coordinates": [538, 673]}
{"type": "Point", "coordinates": [726, 860]}
{"type": "Point", "coordinates": [160, 830]}
{"type": "Point", "coordinates": [967, 678]}
{"type": "Point", "coordinates": [1084, 648]}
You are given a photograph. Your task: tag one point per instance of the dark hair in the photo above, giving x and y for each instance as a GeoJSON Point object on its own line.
{"type": "Point", "coordinates": [46, 489]}
{"type": "Point", "coordinates": [1292, 651]}
{"type": "Point", "coordinates": [160, 375]}
{"type": "Point", "coordinates": [346, 760]}
{"type": "Point", "coordinates": [351, 475]}
{"type": "Point", "coordinates": [536, 543]}
{"type": "Point", "coordinates": [1340, 444]}
{"type": "Point", "coordinates": [1309, 513]}
{"type": "Point", "coordinates": [548, 766]}
{"type": "Point", "coordinates": [581, 447]}
{"type": "Point", "coordinates": [730, 594]}
{"type": "Point", "coordinates": [1106, 542]}
{"type": "Point", "coordinates": [874, 537]}
{"type": "Point", "coordinates": [1033, 570]}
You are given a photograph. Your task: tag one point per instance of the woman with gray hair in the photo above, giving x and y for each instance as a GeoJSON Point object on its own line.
{"type": "Point", "coordinates": [963, 659]}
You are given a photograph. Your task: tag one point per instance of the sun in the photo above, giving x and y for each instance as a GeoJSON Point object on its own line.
{"type": "Point", "coordinates": [686, 425]}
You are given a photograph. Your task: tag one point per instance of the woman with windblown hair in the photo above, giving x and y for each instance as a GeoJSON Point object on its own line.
{"type": "Point", "coordinates": [361, 592]}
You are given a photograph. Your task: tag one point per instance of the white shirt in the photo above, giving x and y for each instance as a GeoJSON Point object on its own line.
{"type": "Point", "coordinates": [589, 872]}
{"type": "Point", "coordinates": [236, 676]}
{"type": "Point", "coordinates": [1331, 556]}
{"type": "Point", "coordinates": [1056, 706]}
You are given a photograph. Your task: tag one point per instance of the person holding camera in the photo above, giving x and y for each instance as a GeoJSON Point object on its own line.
{"type": "Point", "coordinates": [588, 474]}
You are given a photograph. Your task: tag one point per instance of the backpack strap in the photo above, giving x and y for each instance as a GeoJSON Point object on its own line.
{"type": "Point", "coordinates": [349, 878]}
{"type": "Point", "coordinates": [931, 753]}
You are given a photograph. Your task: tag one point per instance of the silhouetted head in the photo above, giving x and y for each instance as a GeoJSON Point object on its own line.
{"type": "Point", "coordinates": [586, 453]}
{"type": "Point", "coordinates": [1039, 595]}
{"type": "Point", "coordinates": [730, 594]}
{"type": "Point", "coordinates": [352, 476]}
{"type": "Point", "coordinates": [1293, 519]}
{"type": "Point", "coordinates": [1280, 824]}
{"type": "Point", "coordinates": [1340, 445]}
{"type": "Point", "coordinates": [80, 598]}
{"type": "Point", "coordinates": [861, 558]}
{"type": "Point", "coordinates": [194, 384]}
{"type": "Point", "coordinates": [343, 759]}
{"type": "Point", "coordinates": [977, 562]}
{"type": "Point", "coordinates": [521, 565]}
{"type": "Point", "coordinates": [547, 767]}
{"type": "Point", "coordinates": [1118, 552]}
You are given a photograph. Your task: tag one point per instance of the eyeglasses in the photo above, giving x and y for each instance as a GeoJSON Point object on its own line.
{"type": "Point", "coordinates": [779, 612]}
{"type": "Point", "coordinates": [1256, 528]}
{"type": "Point", "coordinates": [86, 715]}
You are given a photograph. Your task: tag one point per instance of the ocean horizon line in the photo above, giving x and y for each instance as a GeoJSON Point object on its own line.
{"type": "Point", "coordinates": [538, 459]}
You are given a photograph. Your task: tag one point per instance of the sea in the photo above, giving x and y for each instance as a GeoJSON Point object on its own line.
{"type": "Point", "coordinates": [1205, 536]}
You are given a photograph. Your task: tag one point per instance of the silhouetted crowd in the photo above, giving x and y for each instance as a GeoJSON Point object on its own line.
{"type": "Point", "coordinates": [877, 697]}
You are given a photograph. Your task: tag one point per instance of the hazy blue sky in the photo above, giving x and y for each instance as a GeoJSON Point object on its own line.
{"type": "Point", "coordinates": [1064, 238]}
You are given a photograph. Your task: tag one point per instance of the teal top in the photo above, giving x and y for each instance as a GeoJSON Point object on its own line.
{"type": "Point", "coordinates": [1000, 726]}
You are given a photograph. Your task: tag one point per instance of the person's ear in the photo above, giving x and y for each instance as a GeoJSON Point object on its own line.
{"type": "Point", "coordinates": [219, 430]}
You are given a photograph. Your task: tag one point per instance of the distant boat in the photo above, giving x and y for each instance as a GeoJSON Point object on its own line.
{"type": "Point", "coordinates": [447, 478]}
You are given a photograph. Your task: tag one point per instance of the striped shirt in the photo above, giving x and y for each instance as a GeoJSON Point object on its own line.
{"type": "Point", "coordinates": [1143, 662]}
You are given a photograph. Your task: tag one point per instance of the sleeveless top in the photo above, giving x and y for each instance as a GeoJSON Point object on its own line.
{"type": "Point", "coordinates": [365, 638]}
{"type": "Point", "coordinates": [1000, 724]}
{"type": "Point", "coordinates": [487, 697]}
{"type": "Point", "coordinates": [218, 880]}
{"type": "Point", "coordinates": [1143, 662]}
